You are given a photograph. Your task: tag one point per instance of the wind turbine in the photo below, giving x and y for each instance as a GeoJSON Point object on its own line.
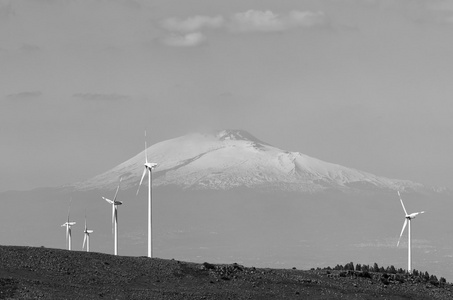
{"type": "Point", "coordinates": [115, 204]}
{"type": "Point", "coordinates": [87, 233]}
{"type": "Point", "coordinates": [149, 167]}
{"type": "Point", "coordinates": [407, 222]}
{"type": "Point", "coordinates": [68, 225]}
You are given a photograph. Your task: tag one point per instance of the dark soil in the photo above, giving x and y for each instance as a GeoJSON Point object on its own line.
{"type": "Point", "coordinates": [41, 273]}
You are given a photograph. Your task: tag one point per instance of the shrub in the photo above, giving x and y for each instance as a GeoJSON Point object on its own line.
{"type": "Point", "coordinates": [349, 266]}
{"type": "Point", "coordinates": [365, 274]}
{"type": "Point", "coordinates": [358, 267]}
{"type": "Point", "coordinates": [375, 268]}
{"type": "Point", "coordinates": [433, 280]}
{"type": "Point", "coordinates": [208, 266]}
{"type": "Point", "coordinates": [400, 278]}
{"type": "Point", "coordinates": [385, 281]}
{"type": "Point", "coordinates": [426, 276]}
{"type": "Point", "coordinates": [391, 269]}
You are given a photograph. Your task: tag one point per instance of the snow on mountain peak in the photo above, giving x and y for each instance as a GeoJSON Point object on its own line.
{"type": "Point", "coordinates": [234, 158]}
{"type": "Point", "coordinates": [237, 134]}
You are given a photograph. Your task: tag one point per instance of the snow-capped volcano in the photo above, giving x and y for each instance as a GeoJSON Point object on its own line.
{"type": "Point", "coordinates": [229, 159]}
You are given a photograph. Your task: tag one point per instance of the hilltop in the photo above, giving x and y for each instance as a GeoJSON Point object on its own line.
{"type": "Point", "coordinates": [41, 273]}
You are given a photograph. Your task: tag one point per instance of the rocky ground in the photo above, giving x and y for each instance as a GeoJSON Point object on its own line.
{"type": "Point", "coordinates": [41, 273]}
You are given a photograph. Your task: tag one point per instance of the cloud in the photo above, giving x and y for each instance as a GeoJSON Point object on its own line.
{"type": "Point", "coordinates": [192, 24]}
{"type": "Point", "coordinates": [186, 40]}
{"type": "Point", "coordinates": [24, 95]}
{"type": "Point", "coordinates": [100, 97]}
{"type": "Point", "coordinates": [268, 21]}
{"type": "Point", "coordinates": [188, 32]}
{"type": "Point", "coordinates": [420, 11]}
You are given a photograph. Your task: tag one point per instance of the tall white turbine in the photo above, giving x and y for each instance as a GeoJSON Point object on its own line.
{"type": "Point", "coordinates": [407, 222]}
{"type": "Point", "coordinates": [115, 204]}
{"type": "Point", "coordinates": [68, 225]}
{"type": "Point", "coordinates": [86, 237]}
{"type": "Point", "coordinates": [149, 167]}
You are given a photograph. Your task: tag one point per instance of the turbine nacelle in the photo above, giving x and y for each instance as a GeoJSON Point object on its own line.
{"type": "Point", "coordinates": [69, 224]}
{"type": "Point", "coordinates": [150, 166]}
{"type": "Point", "coordinates": [116, 202]}
{"type": "Point", "coordinates": [413, 215]}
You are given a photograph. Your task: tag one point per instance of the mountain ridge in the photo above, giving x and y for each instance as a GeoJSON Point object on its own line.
{"type": "Point", "coordinates": [232, 158]}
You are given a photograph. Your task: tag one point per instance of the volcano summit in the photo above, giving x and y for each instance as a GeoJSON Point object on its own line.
{"type": "Point", "coordinates": [230, 159]}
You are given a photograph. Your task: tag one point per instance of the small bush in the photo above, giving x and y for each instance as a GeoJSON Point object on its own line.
{"type": "Point", "coordinates": [400, 278]}
{"type": "Point", "coordinates": [208, 266]}
{"type": "Point", "coordinates": [364, 274]}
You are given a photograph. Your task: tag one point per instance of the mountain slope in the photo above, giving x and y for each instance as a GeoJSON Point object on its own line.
{"type": "Point", "coordinates": [234, 158]}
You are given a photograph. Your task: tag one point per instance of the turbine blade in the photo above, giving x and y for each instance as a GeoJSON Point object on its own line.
{"type": "Point", "coordinates": [69, 208]}
{"type": "Point", "coordinates": [108, 200]}
{"type": "Point", "coordinates": [417, 213]}
{"type": "Point", "coordinates": [146, 155]}
{"type": "Point", "coordinates": [402, 203]}
{"type": "Point", "coordinates": [84, 240]}
{"type": "Point", "coordinates": [67, 232]}
{"type": "Point", "coordinates": [141, 180]}
{"type": "Point", "coordinates": [85, 219]}
{"type": "Point", "coordinates": [404, 226]}
{"type": "Point", "coordinates": [117, 189]}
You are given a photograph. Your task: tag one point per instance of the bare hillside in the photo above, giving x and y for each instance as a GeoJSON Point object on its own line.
{"type": "Point", "coordinates": [41, 273]}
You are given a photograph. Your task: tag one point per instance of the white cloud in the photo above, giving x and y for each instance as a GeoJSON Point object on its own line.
{"type": "Point", "coordinates": [268, 21]}
{"type": "Point", "coordinates": [193, 23]}
{"type": "Point", "coordinates": [188, 32]}
{"type": "Point", "coordinates": [186, 40]}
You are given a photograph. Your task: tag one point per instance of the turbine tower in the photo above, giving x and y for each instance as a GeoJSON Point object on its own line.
{"type": "Point", "coordinates": [87, 233]}
{"type": "Point", "coordinates": [407, 222]}
{"type": "Point", "coordinates": [149, 167]}
{"type": "Point", "coordinates": [68, 225]}
{"type": "Point", "coordinates": [115, 204]}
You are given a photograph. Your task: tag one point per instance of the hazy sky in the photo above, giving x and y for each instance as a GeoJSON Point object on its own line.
{"type": "Point", "coordinates": [363, 83]}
